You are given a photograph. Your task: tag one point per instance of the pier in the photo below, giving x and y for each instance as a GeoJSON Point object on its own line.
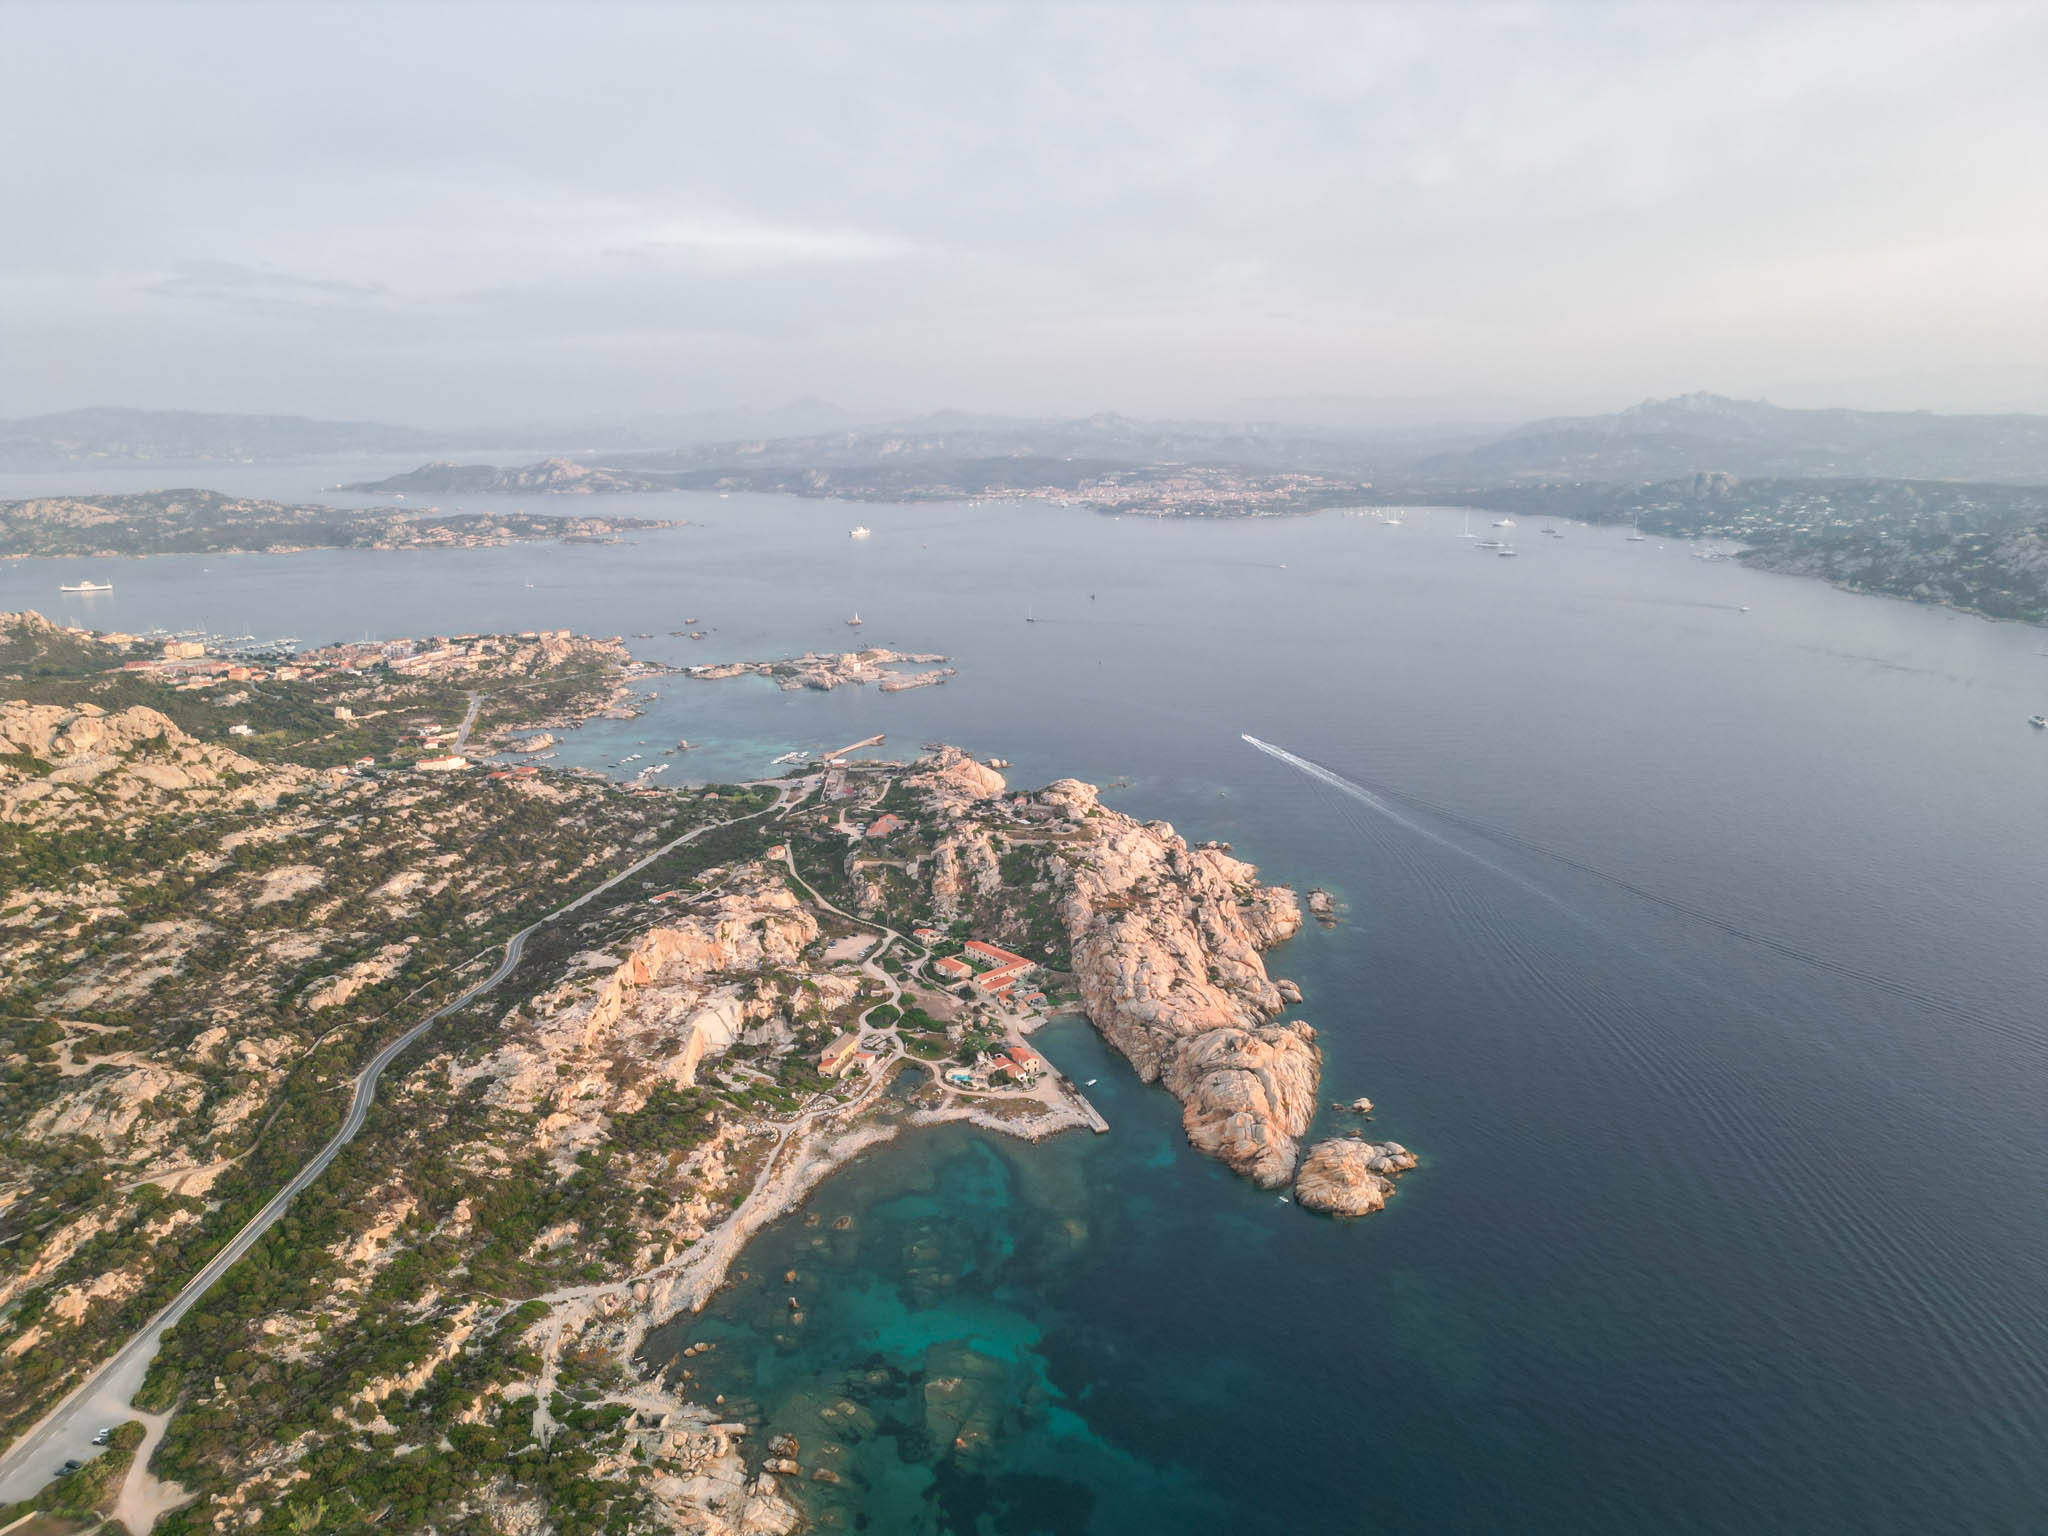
{"type": "Point", "coordinates": [872, 741]}
{"type": "Point", "coordinates": [1096, 1123]}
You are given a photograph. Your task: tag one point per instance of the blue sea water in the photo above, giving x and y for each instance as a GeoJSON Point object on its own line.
{"type": "Point", "coordinates": [1697, 951]}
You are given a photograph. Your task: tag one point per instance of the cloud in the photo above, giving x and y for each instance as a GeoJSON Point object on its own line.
{"type": "Point", "coordinates": [239, 285]}
{"type": "Point", "coordinates": [1030, 206]}
{"type": "Point", "coordinates": [728, 243]}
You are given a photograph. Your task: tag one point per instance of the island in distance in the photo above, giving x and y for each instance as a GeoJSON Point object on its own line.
{"type": "Point", "coordinates": [199, 522]}
{"type": "Point", "coordinates": [549, 477]}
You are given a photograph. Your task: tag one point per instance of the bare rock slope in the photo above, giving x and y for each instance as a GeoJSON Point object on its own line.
{"type": "Point", "coordinates": [1166, 942]}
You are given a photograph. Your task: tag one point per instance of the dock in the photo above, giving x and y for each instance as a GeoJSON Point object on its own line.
{"type": "Point", "coordinates": [872, 741]}
{"type": "Point", "coordinates": [1096, 1123]}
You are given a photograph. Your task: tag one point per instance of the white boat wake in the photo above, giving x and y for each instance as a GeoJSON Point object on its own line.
{"type": "Point", "coordinates": [2015, 1027]}
{"type": "Point", "coordinates": [1367, 798]}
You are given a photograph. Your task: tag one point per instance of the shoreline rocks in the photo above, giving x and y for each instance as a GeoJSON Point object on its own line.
{"type": "Point", "coordinates": [1166, 942]}
{"type": "Point", "coordinates": [1350, 1176]}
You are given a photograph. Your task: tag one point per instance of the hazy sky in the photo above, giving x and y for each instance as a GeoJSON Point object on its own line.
{"type": "Point", "coordinates": [466, 213]}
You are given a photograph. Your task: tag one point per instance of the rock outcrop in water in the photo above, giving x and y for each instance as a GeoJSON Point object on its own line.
{"type": "Point", "coordinates": [826, 670]}
{"type": "Point", "coordinates": [1350, 1176]}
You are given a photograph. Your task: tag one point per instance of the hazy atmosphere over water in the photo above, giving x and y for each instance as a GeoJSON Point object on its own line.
{"type": "Point", "coordinates": [457, 215]}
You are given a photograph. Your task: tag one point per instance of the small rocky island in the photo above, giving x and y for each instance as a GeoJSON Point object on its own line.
{"type": "Point", "coordinates": [827, 670]}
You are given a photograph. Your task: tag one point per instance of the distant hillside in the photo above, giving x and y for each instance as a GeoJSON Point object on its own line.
{"type": "Point", "coordinates": [1664, 439]}
{"type": "Point", "coordinates": [956, 437]}
{"type": "Point", "coordinates": [550, 477]}
{"type": "Point", "coordinates": [1656, 440]}
{"type": "Point", "coordinates": [1979, 546]}
{"type": "Point", "coordinates": [2002, 575]}
{"type": "Point", "coordinates": [119, 435]}
{"type": "Point", "coordinates": [114, 435]}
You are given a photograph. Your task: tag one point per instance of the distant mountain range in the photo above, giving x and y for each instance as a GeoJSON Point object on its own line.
{"type": "Point", "coordinates": [1655, 441]}
{"type": "Point", "coordinates": [550, 477]}
{"type": "Point", "coordinates": [1691, 434]}
{"type": "Point", "coordinates": [948, 436]}
{"type": "Point", "coordinates": [114, 435]}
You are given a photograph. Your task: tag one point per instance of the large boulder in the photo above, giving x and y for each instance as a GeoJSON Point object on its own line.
{"type": "Point", "coordinates": [1350, 1176]}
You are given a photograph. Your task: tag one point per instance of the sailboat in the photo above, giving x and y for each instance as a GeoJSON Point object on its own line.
{"type": "Point", "coordinates": [1635, 532]}
{"type": "Point", "coordinates": [1468, 525]}
{"type": "Point", "coordinates": [856, 621]}
{"type": "Point", "coordinates": [1030, 617]}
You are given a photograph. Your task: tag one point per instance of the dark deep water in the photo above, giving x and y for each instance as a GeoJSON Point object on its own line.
{"type": "Point", "coordinates": [1698, 952]}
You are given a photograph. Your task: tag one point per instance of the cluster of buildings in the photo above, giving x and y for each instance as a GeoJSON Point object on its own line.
{"type": "Point", "coordinates": [993, 971]}
{"type": "Point", "coordinates": [1170, 490]}
{"type": "Point", "coordinates": [846, 1054]}
{"type": "Point", "coordinates": [1019, 1063]}
{"type": "Point", "coordinates": [438, 655]}
{"type": "Point", "coordinates": [186, 666]}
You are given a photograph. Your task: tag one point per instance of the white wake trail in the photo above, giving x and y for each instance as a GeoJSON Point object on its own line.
{"type": "Point", "coordinates": [1371, 801]}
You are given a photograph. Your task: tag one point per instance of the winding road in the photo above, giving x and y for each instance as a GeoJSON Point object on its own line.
{"type": "Point", "coordinates": [105, 1397]}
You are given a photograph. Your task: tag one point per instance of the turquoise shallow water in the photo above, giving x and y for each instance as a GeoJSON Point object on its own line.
{"type": "Point", "coordinates": [934, 1369]}
{"type": "Point", "coordinates": [1697, 951]}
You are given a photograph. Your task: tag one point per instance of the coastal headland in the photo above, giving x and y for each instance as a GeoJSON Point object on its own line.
{"type": "Point", "coordinates": [582, 1151]}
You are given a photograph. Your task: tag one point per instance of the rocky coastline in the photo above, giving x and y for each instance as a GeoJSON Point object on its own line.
{"type": "Point", "coordinates": [826, 670]}
{"type": "Point", "coordinates": [1167, 943]}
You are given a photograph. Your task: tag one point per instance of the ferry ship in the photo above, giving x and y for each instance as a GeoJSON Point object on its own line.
{"type": "Point", "coordinates": [858, 533]}
{"type": "Point", "coordinates": [87, 586]}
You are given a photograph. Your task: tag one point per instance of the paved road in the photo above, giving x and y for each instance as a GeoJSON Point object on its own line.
{"type": "Point", "coordinates": [476, 702]}
{"type": "Point", "coordinates": [104, 1397]}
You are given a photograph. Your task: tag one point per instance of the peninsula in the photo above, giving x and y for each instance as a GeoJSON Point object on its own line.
{"type": "Point", "coordinates": [759, 982]}
{"type": "Point", "coordinates": [198, 522]}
